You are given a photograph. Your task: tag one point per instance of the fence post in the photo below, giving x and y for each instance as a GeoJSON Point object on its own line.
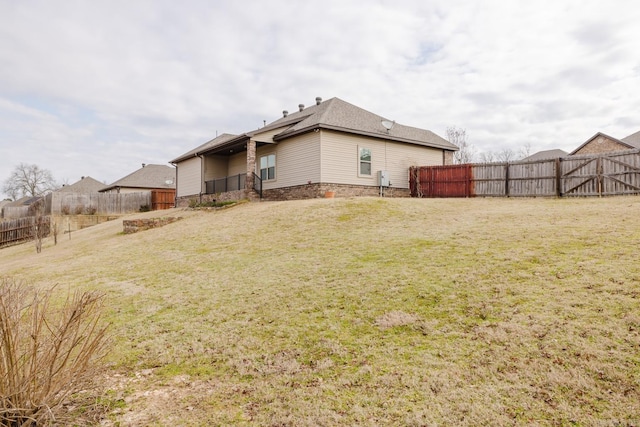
{"type": "Point", "coordinates": [559, 177]}
{"type": "Point", "coordinates": [506, 179]}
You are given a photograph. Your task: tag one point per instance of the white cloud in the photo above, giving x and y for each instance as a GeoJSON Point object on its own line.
{"type": "Point", "coordinates": [96, 88]}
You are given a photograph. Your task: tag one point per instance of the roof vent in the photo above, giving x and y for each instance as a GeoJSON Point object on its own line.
{"type": "Point", "coordinates": [285, 113]}
{"type": "Point", "coordinates": [318, 100]}
{"type": "Point", "coordinates": [144, 164]}
{"type": "Point", "coordinates": [301, 107]}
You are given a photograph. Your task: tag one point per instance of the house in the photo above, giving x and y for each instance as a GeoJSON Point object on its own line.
{"type": "Point", "coordinates": [545, 155]}
{"type": "Point", "coordinates": [331, 146]}
{"type": "Point", "coordinates": [601, 143]}
{"type": "Point", "coordinates": [148, 177]}
{"type": "Point", "coordinates": [86, 184]}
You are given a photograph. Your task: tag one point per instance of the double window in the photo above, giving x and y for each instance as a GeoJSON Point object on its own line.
{"type": "Point", "coordinates": [268, 167]}
{"type": "Point", "coordinates": [365, 161]}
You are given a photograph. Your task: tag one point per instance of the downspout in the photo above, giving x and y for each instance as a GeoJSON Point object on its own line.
{"type": "Point", "coordinates": [201, 175]}
{"type": "Point", "coordinates": [175, 198]}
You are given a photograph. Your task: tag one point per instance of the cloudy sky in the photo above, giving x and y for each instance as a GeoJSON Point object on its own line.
{"type": "Point", "coordinates": [98, 87]}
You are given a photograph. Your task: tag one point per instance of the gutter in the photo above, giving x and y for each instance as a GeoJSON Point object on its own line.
{"type": "Point", "coordinates": [384, 136]}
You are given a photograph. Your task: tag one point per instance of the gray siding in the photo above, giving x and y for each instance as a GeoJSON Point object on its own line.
{"type": "Point", "coordinates": [189, 177]}
{"type": "Point", "coordinates": [237, 164]}
{"type": "Point", "coordinates": [297, 161]}
{"type": "Point", "coordinates": [215, 167]}
{"type": "Point", "coordinates": [340, 159]}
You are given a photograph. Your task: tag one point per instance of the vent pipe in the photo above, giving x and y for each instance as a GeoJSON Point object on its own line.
{"type": "Point", "coordinates": [285, 113]}
{"type": "Point", "coordinates": [318, 100]}
{"type": "Point", "coordinates": [144, 164]}
{"type": "Point", "coordinates": [301, 107]}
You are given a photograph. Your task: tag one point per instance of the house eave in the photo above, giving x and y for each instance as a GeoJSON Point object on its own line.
{"type": "Point", "coordinates": [281, 137]}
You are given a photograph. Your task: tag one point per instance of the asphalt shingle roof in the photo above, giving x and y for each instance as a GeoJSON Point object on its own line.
{"type": "Point", "coordinates": [546, 154]}
{"type": "Point", "coordinates": [147, 177]}
{"type": "Point", "coordinates": [85, 185]}
{"type": "Point", "coordinates": [334, 114]}
{"type": "Point", "coordinates": [633, 139]}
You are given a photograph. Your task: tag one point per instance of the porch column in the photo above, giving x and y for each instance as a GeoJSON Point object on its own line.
{"type": "Point", "coordinates": [251, 164]}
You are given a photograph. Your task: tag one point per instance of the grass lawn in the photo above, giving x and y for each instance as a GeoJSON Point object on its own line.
{"type": "Point", "coordinates": [365, 312]}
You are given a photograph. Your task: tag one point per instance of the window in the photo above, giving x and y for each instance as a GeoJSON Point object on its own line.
{"type": "Point", "coordinates": [365, 161]}
{"type": "Point", "coordinates": [268, 167]}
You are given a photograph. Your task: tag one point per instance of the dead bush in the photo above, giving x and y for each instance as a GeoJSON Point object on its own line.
{"type": "Point", "coordinates": [47, 352]}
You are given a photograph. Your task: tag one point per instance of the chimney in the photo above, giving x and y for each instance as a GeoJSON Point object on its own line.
{"type": "Point", "coordinates": [318, 100]}
{"type": "Point", "coordinates": [285, 113]}
{"type": "Point", "coordinates": [301, 107]}
{"type": "Point", "coordinates": [144, 164]}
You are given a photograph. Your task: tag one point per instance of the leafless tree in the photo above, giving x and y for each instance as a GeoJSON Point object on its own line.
{"type": "Point", "coordinates": [466, 151]}
{"type": "Point", "coordinates": [488, 157]}
{"type": "Point", "coordinates": [506, 155]}
{"type": "Point", "coordinates": [40, 224]}
{"type": "Point", "coordinates": [525, 151]}
{"type": "Point", "coordinates": [28, 180]}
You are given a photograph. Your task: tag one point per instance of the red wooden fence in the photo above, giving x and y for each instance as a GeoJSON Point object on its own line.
{"type": "Point", "coordinates": [441, 181]}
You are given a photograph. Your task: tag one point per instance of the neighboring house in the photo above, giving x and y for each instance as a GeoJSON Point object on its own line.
{"type": "Point", "coordinates": [19, 208]}
{"type": "Point", "coordinates": [148, 177]}
{"type": "Point", "coordinates": [545, 155]}
{"type": "Point", "coordinates": [601, 143]}
{"type": "Point", "coordinates": [331, 146]}
{"type": "Point", "coordinates": [85, 185]}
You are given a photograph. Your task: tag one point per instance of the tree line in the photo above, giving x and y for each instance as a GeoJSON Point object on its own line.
{"type": "Point", "coordinates": [467, 152]}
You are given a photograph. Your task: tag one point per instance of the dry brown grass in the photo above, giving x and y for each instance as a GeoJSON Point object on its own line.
{"type": "Point", "coordinates": [367, 312]}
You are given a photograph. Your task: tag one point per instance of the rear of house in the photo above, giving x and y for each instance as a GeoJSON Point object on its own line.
{"type": "Point", "coordinates": [330, 146]}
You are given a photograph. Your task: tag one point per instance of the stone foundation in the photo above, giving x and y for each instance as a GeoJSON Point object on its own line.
{"type": "Point", "coordinates": [319, 190]}
{"type": "Point", "coordinates": [297, 192]}
{"type": "Point", "coordinates": [135, 225]}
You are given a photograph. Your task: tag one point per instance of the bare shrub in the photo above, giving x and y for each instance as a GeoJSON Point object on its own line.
{"type": "Point", "coordinates": [47, 352]}
{"type": "Point", "coordinates": [65, 209]}
{"type": "Point", "coordinates": [90, 210]}
{"type": "Point", "coordinates": [79, 209]}
{"type": "Point", "coordinates": [40, 224]}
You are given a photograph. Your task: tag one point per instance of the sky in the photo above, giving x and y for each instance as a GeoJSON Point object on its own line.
{"type": "Point", "coordinates": [96, 88]}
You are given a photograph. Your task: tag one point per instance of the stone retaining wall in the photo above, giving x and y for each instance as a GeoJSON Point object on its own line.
{"type": "Point", "coordinates": [314, 191]}
{"type": "Point", "coordinates": [135, 225]}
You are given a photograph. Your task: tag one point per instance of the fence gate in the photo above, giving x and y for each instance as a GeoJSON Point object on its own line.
{"type": "Point", "coordinates": [162, 199]}
{"type": "Point", "coordinates": [601, 176]}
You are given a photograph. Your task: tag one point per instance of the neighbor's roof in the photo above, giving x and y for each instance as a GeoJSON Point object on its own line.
{"type": "Point", "coordinates": [24, 201]}
{"type": "Point", "coordinates": [86, 184]}
{"type": "Point", "coordinates": [546, 154]}
{"type": "Point", "coordinates": [332, 114]}
{"type": "Point", "coordinates": [633, 139]}
{"type": "Point", "coordinates": [147, 177]}
{"type": "Point", "coordinates": [218, 140]}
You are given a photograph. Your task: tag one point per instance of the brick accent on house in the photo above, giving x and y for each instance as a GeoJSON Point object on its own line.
{"type": "Point", "coordinates": [319, 190]}
{"type": "Point", "coordinates": [601, 144]}
{"type": "Point", "coordinates": [447, 157]}
{"type": "Point", "coordinates": [251, 165]}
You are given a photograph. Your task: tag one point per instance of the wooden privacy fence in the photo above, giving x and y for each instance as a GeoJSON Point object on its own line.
{"type": "Point", "coordinates": [20, 229]}
{"type": "Point", "coordinates": [596, 175]}
{"type": "Point", "coordinates": [162, 199]}
{"type": "Point", "coordinates": [63, 203]}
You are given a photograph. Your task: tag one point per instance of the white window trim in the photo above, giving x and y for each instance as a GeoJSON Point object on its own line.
{"type": "Point", "coordinates": [259, 168]}
{"type": "Point", "coordinates": [361, 175]}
